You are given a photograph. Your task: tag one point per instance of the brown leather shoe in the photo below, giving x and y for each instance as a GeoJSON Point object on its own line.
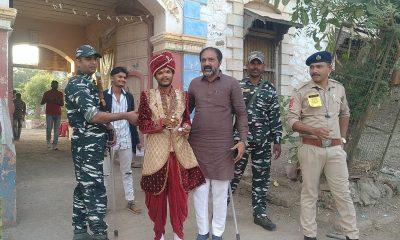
{"type": "Point", "coordinates": [133, 208]}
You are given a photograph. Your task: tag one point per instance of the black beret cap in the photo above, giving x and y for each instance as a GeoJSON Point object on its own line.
{"type": "Point", "coordinates": [323, 56]}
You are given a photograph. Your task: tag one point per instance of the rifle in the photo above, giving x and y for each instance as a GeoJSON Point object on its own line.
{"type": "Point", "coordinates": [99, 85]}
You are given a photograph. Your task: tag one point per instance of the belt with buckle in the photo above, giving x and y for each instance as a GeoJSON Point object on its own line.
{"type": "Point", "coordinates": [322, 142]}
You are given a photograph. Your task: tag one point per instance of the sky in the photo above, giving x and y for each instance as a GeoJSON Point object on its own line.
{"type": "Point", "coordinates": [25, 54]}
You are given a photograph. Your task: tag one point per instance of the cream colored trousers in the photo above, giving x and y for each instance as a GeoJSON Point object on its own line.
{"type": "Point", "coordinates": [332, 162]}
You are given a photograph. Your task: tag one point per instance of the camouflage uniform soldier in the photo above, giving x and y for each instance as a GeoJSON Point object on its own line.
{"type": "Point", "coordinates": [88, 144]}
{"type": "Point", "coordinates": [264, 127]}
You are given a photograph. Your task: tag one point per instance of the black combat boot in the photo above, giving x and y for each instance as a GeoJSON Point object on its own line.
{"type": "Point", "coordinates": [99, 237]}
{"type": "Point", "coordinates": [309, 238]}
{"type": "Point", "coordinates": [82, 236]}
{"type": "Point", "coordinates": [265, 223]}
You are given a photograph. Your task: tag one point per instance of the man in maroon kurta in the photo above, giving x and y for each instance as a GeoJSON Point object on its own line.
{"type": "Point", "coordinates": [215, 97]}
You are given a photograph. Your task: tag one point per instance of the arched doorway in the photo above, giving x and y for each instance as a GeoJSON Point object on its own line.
{"type": "Point", "coordinates": [49, 58]}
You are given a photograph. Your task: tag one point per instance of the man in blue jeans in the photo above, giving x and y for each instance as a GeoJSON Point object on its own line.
{"type": "Point", "coordinates": [54, 100]}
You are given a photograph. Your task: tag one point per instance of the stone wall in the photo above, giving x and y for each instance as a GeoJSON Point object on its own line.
{"type": "Point", "coordinates": [296, 48]}
{"type": "Point", "coordinates": [225, 31]}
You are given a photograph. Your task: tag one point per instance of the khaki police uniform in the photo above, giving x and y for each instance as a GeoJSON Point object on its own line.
{"type": "Point", "coordinates": [319, 108]}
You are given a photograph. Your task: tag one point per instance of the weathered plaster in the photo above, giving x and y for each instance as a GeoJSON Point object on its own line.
{"type": "Point", "coordinates": [7, 166]}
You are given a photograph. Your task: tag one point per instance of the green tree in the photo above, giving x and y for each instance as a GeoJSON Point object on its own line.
{"type": "Point", "coordinates": [33, 90]}
{"type": "Point", "coordinates": [367, 17]}
{"type": "Point", "coordinates": [365, 69]}
{"type": "Point", "coordinates": [22, 75]}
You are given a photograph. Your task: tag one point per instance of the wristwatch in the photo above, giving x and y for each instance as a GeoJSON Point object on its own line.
{"type": "Point", "coordinates": [344, 140]}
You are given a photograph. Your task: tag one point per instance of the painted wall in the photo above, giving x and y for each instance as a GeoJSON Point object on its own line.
{"type": "Point", "coordinates": [4, 3]}
{"type": "Point", "coordinates": [193, 25]}
{"type": "Point", "coordinates": [225, 24]}
{"type": "Point", "coordinates": [52, 61]}
{"type": "Point", "coordinates": [167, 15]}
{"type": "Point", "coordinates": [64, 37]}
{"type": "Point", "coordinates": [215, 14]}
{"type": "Point", "coordinates": [131, 51]}
{"type": "Point", "coordinates": [225, 30]}
{"type": "Point", "coordinates": [296, 48]}
{"type": "Point", "coordinates": [191, 69]}
{"type": "Point", "coordinates": [94, 31]}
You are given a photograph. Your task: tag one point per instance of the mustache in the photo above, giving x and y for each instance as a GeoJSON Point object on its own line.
{"type": "Point", "coordinates": [165, 78]}
{"type": "Point", "coordinates": [207, 68]}
{"type": "Point", "coordinates": [315, 74]}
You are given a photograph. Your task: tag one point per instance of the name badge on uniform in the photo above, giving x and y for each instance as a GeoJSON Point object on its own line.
{"type": "Point", "coordinates": [245, 90]}
{"type": "Point", "coordinates": [314, 100]}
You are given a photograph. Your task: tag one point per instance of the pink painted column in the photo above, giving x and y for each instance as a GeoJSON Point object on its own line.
{"type": "Point", "coordinates": [177, 82]}
{"type": "Point", "coordinates": [7, 148]}
{"type": "Point", "coordinates": [4, 63]}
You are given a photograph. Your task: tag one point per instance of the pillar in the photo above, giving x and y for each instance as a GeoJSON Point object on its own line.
{"type": "Point", "coordinates": [7, 148]}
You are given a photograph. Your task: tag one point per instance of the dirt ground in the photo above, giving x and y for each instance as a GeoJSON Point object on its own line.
{"type": "Point", "coordinates": [45, 182]}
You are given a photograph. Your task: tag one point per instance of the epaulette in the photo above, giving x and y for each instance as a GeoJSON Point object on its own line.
{"type": "Point", "coordinates": [333, 80]}
{"type": "Point", "coordinates": [303, 84]}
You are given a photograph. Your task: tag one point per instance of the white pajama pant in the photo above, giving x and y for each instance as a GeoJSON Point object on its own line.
{"type": "Point", "coordinates": [125, 160]}
{"type": "Point", "coordinates": [219, 191]}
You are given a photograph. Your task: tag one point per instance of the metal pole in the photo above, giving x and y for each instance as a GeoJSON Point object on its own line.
{"type": "Point", "coordinates": [114, 205]}
{"type": "Point", "coordinates": [234, 213]}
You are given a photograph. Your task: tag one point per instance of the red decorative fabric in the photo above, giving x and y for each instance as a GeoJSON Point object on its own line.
{"type": "Point", "coordinates": [145, 123]}
{"type": "Point", "coordinates": [192, 178]}
{"type": "Point", "coordinates": [177, 198]}
{"type": "Point", "coordinates": [155, 183]}
{"type": "Point", "coordinates": [159, 61]}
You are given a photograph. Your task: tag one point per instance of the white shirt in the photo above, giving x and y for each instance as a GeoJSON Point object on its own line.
{"type": "Point", "coordinates": [121, 126]}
